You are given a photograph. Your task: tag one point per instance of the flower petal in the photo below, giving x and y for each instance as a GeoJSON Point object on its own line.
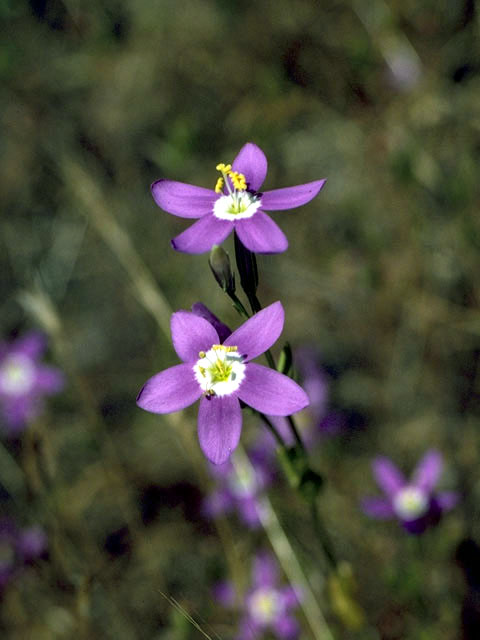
{"type": "Point", "coordinates": [191, 334]}
{"type": "Point", "coordinates": [251, 161]}
{"type": "Point", "coordinates": [259, 332]}
{"type": "Point", "coordinates": [170, 390]}
{"type": "Point", "coordinates": [286, 627]}
{"type": "Point", "coordinates": [261, 234]}
{"type": "Point", "coordinates": [291, 197]}
{"type": "Point", "coordinates": [183, 200]}
{"type": "Point", "coordinates": [202, 235]}
{"type": "Point", "coordinates": [201, 310]}
{"type": "Point", "coordinates": [428, 471]}
{"type": "Point", "coordinates": [269, 391]}
{"type": "Point", "coordinates": [387, 475]}
{"type": "Point", "coordinates": [265, 571]}
{"type": "Point", "coordinates": [378, 508]}
{"type": "Point", "coordinates": [32, 345]}
{"type": "Point", "coordinates": [49, 379]}
{"type": "Point", "coordinates": [219, 427]}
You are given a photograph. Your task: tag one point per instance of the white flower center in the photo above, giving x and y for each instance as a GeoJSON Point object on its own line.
{"type": "Point", "coordinates": [220, 370]}
{"type": "Point", "coordinates": [410, 503]}
{"type": "Point", "coordinates": [237, 205]}
{"type": "Point", "coordinates": [17, 375]}
{"type": "Point", "coordinates": [266, 605]}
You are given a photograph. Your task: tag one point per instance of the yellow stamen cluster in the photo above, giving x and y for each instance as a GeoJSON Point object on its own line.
{"type": "Point", "coordinates": [222, 347]}
{"type": "Point", "coordinates": [238, 179]}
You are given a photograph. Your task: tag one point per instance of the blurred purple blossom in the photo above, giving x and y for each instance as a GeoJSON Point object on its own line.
{"type": "Point", "coordinates": [18, 548]}
{"type": "Point", "coordinates": [317, 420]}
{"type": "Point", "coordinates": [268, 606]}
{"type": "Point", "coordinates": [237, 488]}
{"type": "Point", "coordinates": [415, 504]}
{"type": "Point", "coordinates": [235, 204]}
{"type": "Point", "coordinates": [25, 380]}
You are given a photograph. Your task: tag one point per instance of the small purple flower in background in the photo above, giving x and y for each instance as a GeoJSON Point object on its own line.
{"type": "Point", "coordinates": [317, 421]}
{"type": "Point", "coordinates": [235, 204]}
{"type": "Point", "coordinates": [18, 548]}
{"type": "Point", "coordinates": [238, 487]}
{"type": "Point", "coordinates": [24, 381]}
{"type": "Point", "coordinates": [415, 504]}
{"type": "Point", "coordinates": [220, 373]}
{"type": "Point", "coordinates": [268, 606]}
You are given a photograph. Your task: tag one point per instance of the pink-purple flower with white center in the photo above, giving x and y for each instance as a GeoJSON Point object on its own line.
{"type": "Point", "coordinates": [415, 504]}
{"type": "Point", "coordinates": [24, 381]}
{"type": "Point", "coordinates": [18, 548]}
{"type": "Point", "coordinates": [220, 374]}
{"type": "Point", "coordinates": [239, 487]}
{"type": "Point", "coordinates": [236, 203]}
{"type": "Point", "coordinates": [268, 606]}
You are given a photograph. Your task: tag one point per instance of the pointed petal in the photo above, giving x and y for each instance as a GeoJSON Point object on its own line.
{"type": "Point", "coordinates": [428, 471]}
{"type": "Point", "coordinates": [259, 332]}
{"type": "Point", "coordinates": [379, 508]}
{"type": "Point", "coordinates": [170, 390]}
{"type": "Point", "coordinates": [251, 161]}
{"type": "Point", "coordinates": [261, 234]}
{"type": "Point", "coordinates": [32, 345]}
{"type": "Point", "coordinates": [269, 391]}
{"type": "Point", "coordinates": [191, 334]}
{"type": "Point", "coordinates": [219, 427]}
{"type": "Point", "coordinates": [387, 475]}
{"type": "Point", "coordinates": [202, 235]}
{"type": "Point", "coordinates": [291, 197]}
{"type": "Point", "coordinates": [201, 310]}
{"type": "Point", "coordinates": [446, 500]}
{"type": "Point", "coordinates": [49, 379]}
{"type": "Point", "coordinates": [183, 200]}
{"type": "Point", "coordinates": [286, 627]}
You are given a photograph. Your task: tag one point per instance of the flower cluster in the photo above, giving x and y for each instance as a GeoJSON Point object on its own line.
{"type": "Point", "coordinates": [236, 203]}
{"type": "Point", "coordinates": [415, 504]}
{"type": "Point", "coordinates": [24, 381]}
{"type": "Point", "coordinates": [268, 605]}
{"type": "Point", "coordinates": [18, 548]}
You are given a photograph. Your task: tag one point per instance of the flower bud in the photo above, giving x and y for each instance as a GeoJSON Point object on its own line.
{"type": "Point", "coordinates": [220, 265]}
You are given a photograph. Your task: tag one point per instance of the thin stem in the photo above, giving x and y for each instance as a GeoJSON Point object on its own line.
{"type": "Point", "coordinates": [296, 432]}
{"type": "Point", "coordinates": [273, 429]}
{"type": "Point", "coordinates": [323, 535]}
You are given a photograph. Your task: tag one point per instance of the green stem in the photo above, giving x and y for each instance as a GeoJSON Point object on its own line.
{"type": "Point", "coordinates": [273, 429]}
{"type": "Point", "coordinates": [323, 535]}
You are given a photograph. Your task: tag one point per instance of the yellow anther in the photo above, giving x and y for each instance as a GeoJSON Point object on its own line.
{"type": "Point", "coordinates": [223, 347]}
{"type": "Point", "coordinates": [219, 185]}
{"type": "Point", "coordinates": [238, 179]}
{"type": "Point", "coordinates": [202, 371]}
{"type": "Point", "coordinates": [201, 354]}
{"type": "Point", "coordinates": [224, 168]}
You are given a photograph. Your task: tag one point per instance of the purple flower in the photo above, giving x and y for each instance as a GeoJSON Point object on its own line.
{"type": "Point", "coordinates": [238, 488]}
{"type": "Point", "coordinates": [415, 504]}
{"type": "Point", "coordinates": [220, 374]}
{"type": "Point", "coordinates": [268, 606]}
{"type": "Point", "coordinates": [18, 548]}
{"type": "Point", "coordinates": [235, 204]}
{"type": "Point", "coordinates": [24, 381]}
